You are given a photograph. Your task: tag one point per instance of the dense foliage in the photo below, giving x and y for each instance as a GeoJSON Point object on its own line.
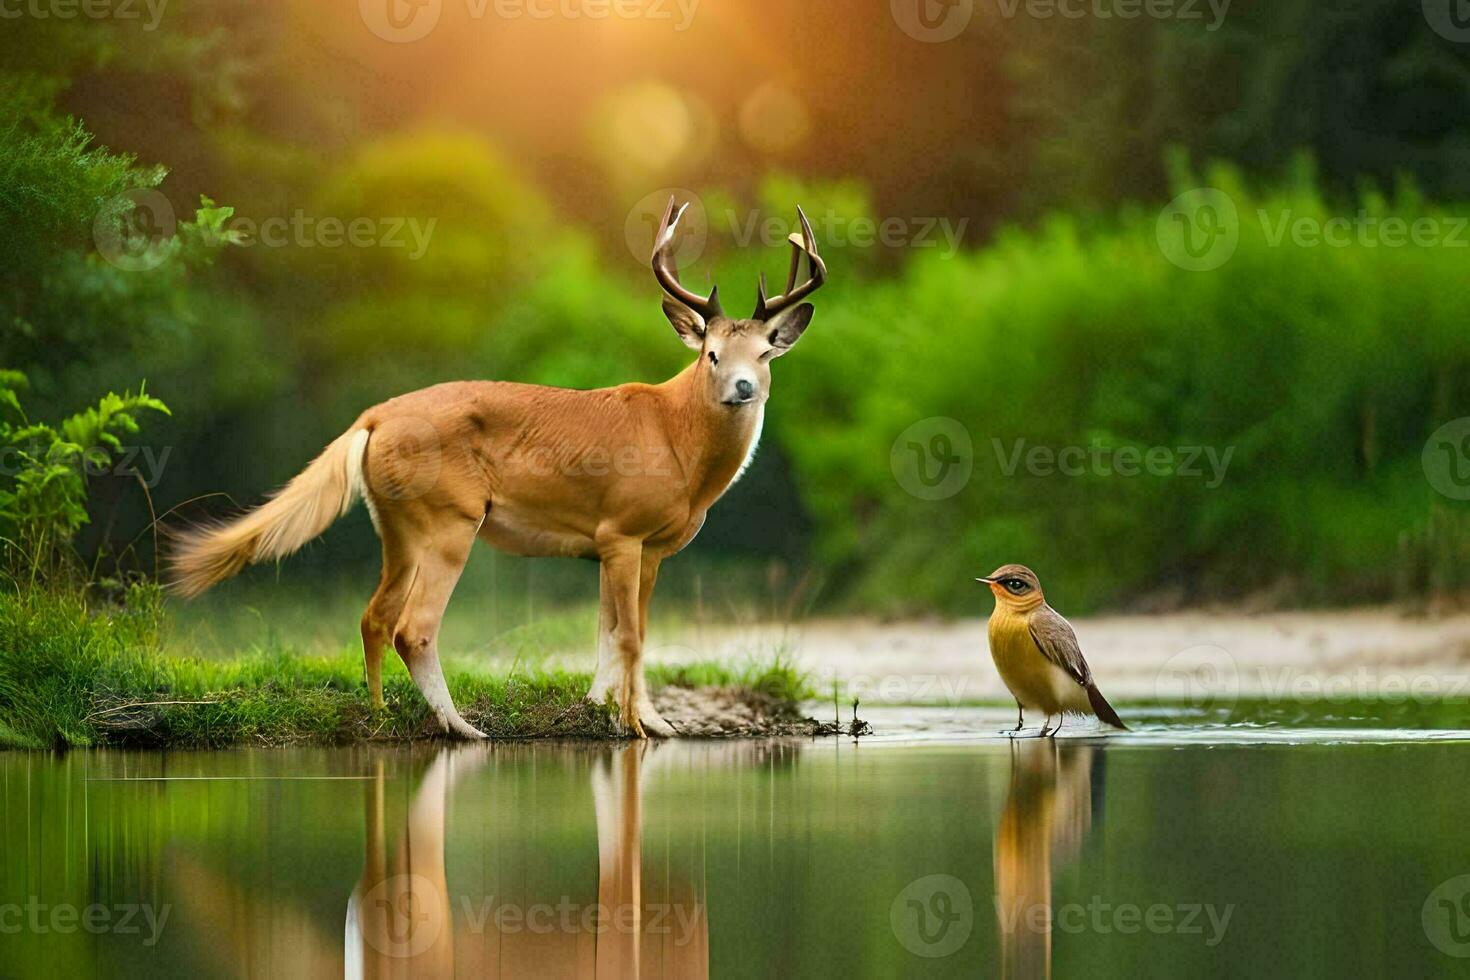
{"type": "Point", "coordinates": [43, 484]}
{"type": "Point", "coordinates": [1313, 373]}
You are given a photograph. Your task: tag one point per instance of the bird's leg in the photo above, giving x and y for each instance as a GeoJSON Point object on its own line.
{"type": "Point", "coordinates": [1061, 718]}
{"type": "Point", "coordinates": [1020, 719]}
{"type": "Point", "coordinates": [1044, 733]}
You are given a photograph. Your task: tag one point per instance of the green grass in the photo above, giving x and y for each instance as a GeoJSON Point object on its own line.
{"type": "Point", "coordinates": [777, 677]}
{"type": "Point", "coordinates": [71, 675]}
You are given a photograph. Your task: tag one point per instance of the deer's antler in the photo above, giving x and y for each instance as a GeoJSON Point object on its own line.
{"type": "Point", "coordinates": [803, 244]}
{"type": "Point", "coordinates": [708, 307]}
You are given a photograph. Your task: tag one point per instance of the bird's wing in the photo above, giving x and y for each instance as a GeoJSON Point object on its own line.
{"type": "Point", "coordinates": [1056, 641]}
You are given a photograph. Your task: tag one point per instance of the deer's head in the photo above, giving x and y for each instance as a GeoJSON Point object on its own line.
{"type": "Point", "coordinates": [735, 355]}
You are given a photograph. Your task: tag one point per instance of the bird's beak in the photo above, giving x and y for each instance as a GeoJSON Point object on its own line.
{"type": "Point", "coordinates": [987, 581]}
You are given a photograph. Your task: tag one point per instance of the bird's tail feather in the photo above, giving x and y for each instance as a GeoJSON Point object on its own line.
{"type": "Point", "coordinates": [1102, 709]}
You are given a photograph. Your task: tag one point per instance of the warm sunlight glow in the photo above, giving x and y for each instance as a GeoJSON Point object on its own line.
{"type": "Point", "coordinates": [774, 120]}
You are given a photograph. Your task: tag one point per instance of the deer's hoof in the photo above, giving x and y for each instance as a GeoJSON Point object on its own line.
{"type": "Point", "coordinates": [653, 722]}
{"type": "Point", "coordinates": [459, 728]}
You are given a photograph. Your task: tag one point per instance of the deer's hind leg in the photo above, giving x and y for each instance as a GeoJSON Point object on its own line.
{"type": "Point", "coordinates": [648, 714]}
{"type": "Point", "coordinates": [435, 555]}
{"type": "Point", "coordinates": [382, 614]}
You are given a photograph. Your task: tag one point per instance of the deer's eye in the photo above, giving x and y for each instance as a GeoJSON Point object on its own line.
{"type": "Point", "coordinates": [713, 359]}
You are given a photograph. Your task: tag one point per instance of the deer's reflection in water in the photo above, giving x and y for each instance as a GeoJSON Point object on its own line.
{"type": "Point", "coordinates": [1055, 795]}
{"type": "Point", "coordinates": [403, 919]}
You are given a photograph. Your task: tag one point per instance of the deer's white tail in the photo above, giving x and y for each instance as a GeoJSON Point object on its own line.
{"type": "Point", "coordinates": [298, 512]}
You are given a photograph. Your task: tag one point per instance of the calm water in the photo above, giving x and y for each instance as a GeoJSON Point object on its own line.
{"type": "Point", "coordinates": [1302, 842]}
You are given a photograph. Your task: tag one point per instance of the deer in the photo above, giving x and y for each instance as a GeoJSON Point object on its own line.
{"type": "Point", "coordinates": [624, 476]}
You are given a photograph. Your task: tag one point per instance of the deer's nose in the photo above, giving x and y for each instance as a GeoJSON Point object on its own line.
{"type": "Point", "coordinates": [744, 388]}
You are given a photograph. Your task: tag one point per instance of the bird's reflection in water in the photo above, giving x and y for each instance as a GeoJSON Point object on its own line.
{"type": "Point", "coordinates": [1055, 795]}
{"type": "Point", "coordinates": [403, 921]}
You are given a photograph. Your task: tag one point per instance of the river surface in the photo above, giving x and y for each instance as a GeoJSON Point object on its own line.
{"type": "Point", "coordinates": [1325, 840]}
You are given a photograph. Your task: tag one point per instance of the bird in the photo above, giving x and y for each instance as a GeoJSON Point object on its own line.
{"type": "Point", "coordinates": [1038, 655]}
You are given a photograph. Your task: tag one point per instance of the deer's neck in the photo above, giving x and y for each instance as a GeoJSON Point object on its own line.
{"type": "Point", "coordinates": [714, 442]}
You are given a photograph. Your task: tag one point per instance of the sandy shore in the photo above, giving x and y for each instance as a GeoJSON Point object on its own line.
{"type": "Point", "coordinates": [1190, 656]}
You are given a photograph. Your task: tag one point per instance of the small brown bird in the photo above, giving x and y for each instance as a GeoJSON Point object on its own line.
{"type": "Point", "coordinates": [1037, 653]}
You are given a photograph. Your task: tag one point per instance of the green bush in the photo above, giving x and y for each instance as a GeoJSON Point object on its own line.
{"type": "Point", "coordinates": [43, 479]}
{"type": "Point", "coordinates": [1320, 369]}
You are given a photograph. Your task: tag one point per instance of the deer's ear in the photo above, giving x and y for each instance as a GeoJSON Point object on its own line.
{"type": "Point", "coordinates": [687, 324]}
{"type": "Point", "coordinates": [785, 328]}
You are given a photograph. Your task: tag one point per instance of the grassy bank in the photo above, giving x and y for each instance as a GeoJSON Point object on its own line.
{"type": "Point", "coordinates": [71, 675]}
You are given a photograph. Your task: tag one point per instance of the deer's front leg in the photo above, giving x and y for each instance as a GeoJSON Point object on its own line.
{"type": "Point", "coordinates": [653, 722]}
{"type": "Point", "coordinates": [627, 577]}
{"type": "Point", "coordinates": [620, 646]}
{"type": "Point", "coordinates": [605, 681]}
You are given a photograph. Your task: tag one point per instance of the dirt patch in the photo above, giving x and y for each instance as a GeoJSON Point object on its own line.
{"type": "Point", "coordinates": [727, 712]}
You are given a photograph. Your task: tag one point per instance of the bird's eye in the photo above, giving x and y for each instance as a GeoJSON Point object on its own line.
{"type": "Point", "coordinates": [1015, 585]}
{"type": "Point", "coordinates": [712, 358]}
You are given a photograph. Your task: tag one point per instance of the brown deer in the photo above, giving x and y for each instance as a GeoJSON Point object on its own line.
{"type": "Point", "coordinates": [624, 475]}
